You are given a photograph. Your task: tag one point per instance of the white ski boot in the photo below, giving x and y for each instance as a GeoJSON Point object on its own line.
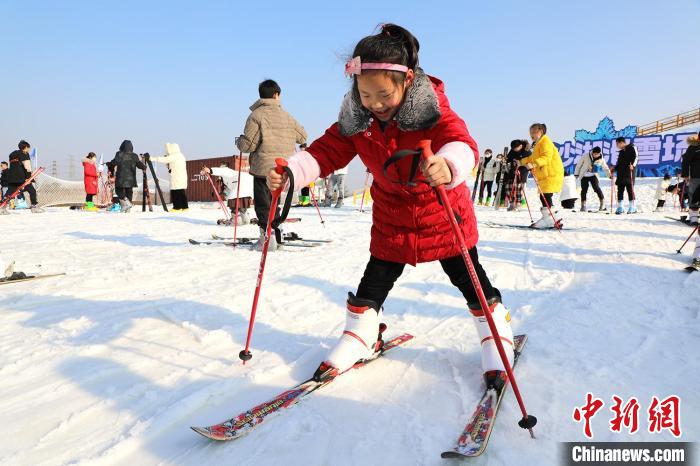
{"type": "Point", "coordinates": [125, 205]}
{"type": "Point", "coordinates": [360, 339]}
{"type": "Point", "coordinates": [545, 221]}
{"type": "Point", "coordinates": [491, 363]}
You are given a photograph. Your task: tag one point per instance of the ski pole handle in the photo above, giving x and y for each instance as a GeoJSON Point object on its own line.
{"type": "Point", "coordinates": [280, 165]}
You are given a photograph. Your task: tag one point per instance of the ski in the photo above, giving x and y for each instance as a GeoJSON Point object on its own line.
{"type": "Point", "coordinates": [5, 281]}
{"type": "Point", "coordinates": [254, 221]}
{"type": "Point", "coordinates": [692, 268]}
{"type": "Point", "coordinates": [247, 242]}
{"type": "Point", "coordinates": [525, 227]}
{"type": "Point", "coordinates": [242, 424]}
{"type": "Point", "coordinates": [287, 237]}
{"type": "Point", "coordinates": [476, 434]}
{"type": "Point", "coordinates": [683, 219]}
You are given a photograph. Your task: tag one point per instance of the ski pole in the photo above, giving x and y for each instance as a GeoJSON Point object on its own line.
{"type": "Point", "coordinates": [238, 197]}
{"type": "Point", "coordinates": [364, 191]}
{"type": "Point", "coordinates": [218, 197]}
{"type": "Point", "coordinates": [546, 203]}
{"type": "Point", "coordinates": [682, 198]}
{"type": "Point", "coordinates": [612, 189]}
{"type": "Point", "coordinates": [281, 167]}
{"type": "Point", "coordinates": [528, 421]}
{"type": "Point", "coordinates": [678, 251]}
{"type": "Point", "coordinates": [21, 187]}
{"type": "Point", "coordinates": [526, 202]}
{"type": "Point", "coordinates": [634, 198]}
{"type": "Point", "coordinates": [313, 198]}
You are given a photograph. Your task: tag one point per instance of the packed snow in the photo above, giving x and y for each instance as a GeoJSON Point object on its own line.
{"type": "Point", "coordinates": [114, 361]}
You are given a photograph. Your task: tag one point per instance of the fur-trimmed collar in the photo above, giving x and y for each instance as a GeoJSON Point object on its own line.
{"type": "Point", "coordinates": [694, 141]}
{"type": "Point", "coordinates": [420, 109]}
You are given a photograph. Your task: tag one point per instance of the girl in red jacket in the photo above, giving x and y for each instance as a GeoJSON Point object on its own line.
{"type": "Point", "coordinates": [90, 180]}
{"type": "Point", "coordinates": [393, 105]}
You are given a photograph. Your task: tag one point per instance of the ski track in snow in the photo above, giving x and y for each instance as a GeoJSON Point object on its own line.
{"type": "Point", "coordinates": [111, 363]}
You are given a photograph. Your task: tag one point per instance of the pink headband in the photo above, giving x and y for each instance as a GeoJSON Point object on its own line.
{"type": "Point", "coordinates": [355, 66]}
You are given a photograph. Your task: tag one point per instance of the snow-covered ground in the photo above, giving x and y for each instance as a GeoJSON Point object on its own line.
{"type": "Point", "coordinates": [111, 363]}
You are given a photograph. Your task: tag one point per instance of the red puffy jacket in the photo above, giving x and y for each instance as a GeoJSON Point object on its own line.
{"type": "Point", "coordinates": [90, 177]}
{"type": "Point", "coordinates": [408, 223]}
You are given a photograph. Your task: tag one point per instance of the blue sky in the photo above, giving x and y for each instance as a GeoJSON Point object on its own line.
{"type": "Point", "coordinates": [80, 76]}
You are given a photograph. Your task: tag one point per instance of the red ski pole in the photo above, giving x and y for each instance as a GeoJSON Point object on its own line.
{"type": "Point", "coordinates": [526, 202]}
{"type": "Point", "coordinates": [218, 197]}
{"type": "Point", "coordinates": [22, 186]}
{"type": "Point", "coordinates": [238, 197]}
{"type": "Point", "coordinates": [364, 191]}
{"type": "Point", "coordinates": [678, 251]}
{"type": "Point", "coordinates": [313, 198]}
{"type": "Point", "coordinates": [528, 421]}
{"type": "Point", "coordinates": [546, 203]}
{"type": "Point", "coordinates": [245, 354]}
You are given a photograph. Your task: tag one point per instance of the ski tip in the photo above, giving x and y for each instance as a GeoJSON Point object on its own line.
{"type": "Point", "coordinates": [454, 454]}
{"type": "Point", "coordinates": [205, 432]}
{"type": "Point", "coordinates": [192, 241]}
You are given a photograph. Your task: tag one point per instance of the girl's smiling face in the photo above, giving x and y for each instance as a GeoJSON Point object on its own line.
{"type": "Point", "coordinates": [380, 94]}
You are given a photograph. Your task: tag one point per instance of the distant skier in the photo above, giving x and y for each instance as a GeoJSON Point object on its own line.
{"type": "Point", "coordinates": [690, 171]}
{"type": "Point", "coordinates": [270, 132]}
{"type": "Point", "coordinates": [624, 173]}
{"type": "Point", "coordinates": [230, 180]}
{"type": "Point", "coordinates": [3, 184]}
{"type": "Point", "coordinates": [90, 180]}
{"type": "Point", "coordinates": [662, 190]}
{"type": "Point", "coordinates": [490, 169]}
{"type": "Point", "coordinates": [548, 171]}
{"type": "Point", "coordinates": [19, 170]}
{"type": "Point", "coordinates": [177, 168]}
{"type": "Point", "coordinates": [516, 175]}
{"type": "Point", "coordinates": [569, 193]}
{"type": "Point", "coordinates": [124, 166]}
{"type": "Point", "coordinates": [392, 106]}
{"type": "Point", "coordinates": [336, 182]}
{"type": "Point", "coordinates": [586, 171]}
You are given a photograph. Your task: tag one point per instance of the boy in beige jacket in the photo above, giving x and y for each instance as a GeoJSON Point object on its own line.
{"type": "Point", "coordinates": [270, 132]}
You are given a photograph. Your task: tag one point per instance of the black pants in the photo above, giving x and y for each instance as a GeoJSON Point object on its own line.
{"type": "Point", "coordinates": [380, 276]}
{"type": "Point", "coordinates": [262, 200]}
{"type": "Point", "coordinates": [179, 199]}
{"type": "Point", "coordinates": [546, 199]}
{"type": "Point", "coordinates": [593, 182]}
{"type": "Point", "coordinates": [11, 188]}
{"type": "Point", "coordinates": [88, 197]}
{"type": "Point", "coordinates": [623, 186]}
{"type": "Point", "coordinates": [660, 203]}
{"type": "Point", "coordinates": [125, 193]}
{"type": "Point", "coordinates": [489, 186]}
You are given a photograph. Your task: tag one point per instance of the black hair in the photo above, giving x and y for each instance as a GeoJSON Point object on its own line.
{"type": "Point", "coordinates": [268, 88]}
{"type": "Point", "coordinates": [517, 142]}
{"type": "Point", "coordinates": [23, 145]}
{"type": "Point", "coordinates": [539, 126]}
{"type": "Point", "coordinates": [620, 139]}
{"type": "Point", "coordinates": [596, 150]}
{"type": "Point", "coordinates": [91, 155]}
{"type": "Point", "coordinates": [667, 176]}
{"type": "Point", "coordinates": [488, 150]}
{"type": "Point", "coordinates": [4, 163]}
{"type": "Point", "coordinates": [393, 44]}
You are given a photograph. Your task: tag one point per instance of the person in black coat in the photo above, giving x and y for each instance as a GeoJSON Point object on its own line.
{"type": "Point", "coordinates": [516, 175]}
{"type": "Point", "coordinates": [124, 165]}
{"type": "Point", "coordinates": [19, 171]}
{"type": "Point", "coordinates": [690, 171]}
{"type": "Point", "coordinates": [624, 172]}
{"type": "Point", "coordinates": [3, 183]}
